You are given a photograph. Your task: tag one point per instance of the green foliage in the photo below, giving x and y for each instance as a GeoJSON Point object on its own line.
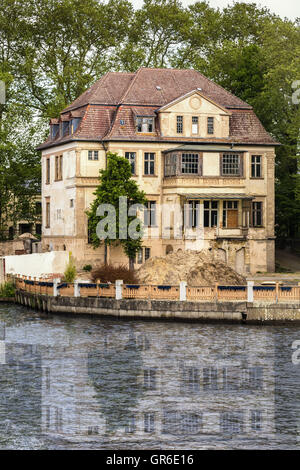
{"type": "Point", "coordinates": [87, 268]}
{"type": "Point", "coordinates": [7, 290]}
{"type": "Point", "coordinates": [70, 272]}
{"type": "Point", "coordinates": [116, 181]}
{"type": "Point", "coordinates": [50, 52]}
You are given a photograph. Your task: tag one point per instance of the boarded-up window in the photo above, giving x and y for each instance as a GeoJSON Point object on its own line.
{"type": "Point", "coordinates": [47, 213]}
{"type": "Point", "coordinates": [195, 125]}
{"type": "Point", "coordinates": [47, 170]}
{"type": "Point", "coordinates": [170, 164]}
{"type": "Point", "coordinates": [58, 167]}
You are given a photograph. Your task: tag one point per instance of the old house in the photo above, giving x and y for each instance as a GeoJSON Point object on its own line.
{"type": "Point", "coordinates": [190, 143]}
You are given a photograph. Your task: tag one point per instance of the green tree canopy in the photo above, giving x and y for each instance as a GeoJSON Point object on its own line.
{"type": "Point", "coordinates": [52, 51]}
{"type": "Point", "coordinates": [116, 182]}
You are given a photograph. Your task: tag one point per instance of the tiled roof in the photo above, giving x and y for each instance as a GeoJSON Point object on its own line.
{"type": "Point", "coordinates": [109, 107]}
{"type": "Point", "coordinates": [108, 90]}
{"type": "Point", "coordinates": [143, 110]}
{"type": "Point", "coordinates": [161, 86]}
{"type": "Point", "coordinates": [246, 125]}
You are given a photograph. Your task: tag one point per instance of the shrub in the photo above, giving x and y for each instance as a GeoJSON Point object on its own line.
{"type": "Point", "coordinates": [110, 273]}
{"type": "Point", "coordinates": [7, 290]}
{"type": "Point", "coordinates": [70, 272]}
{"type": "Point", "coordinates": [87, 268]}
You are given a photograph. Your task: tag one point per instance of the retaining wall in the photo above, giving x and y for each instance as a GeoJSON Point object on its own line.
{"type": "Point", "coordinates": [230, 312]}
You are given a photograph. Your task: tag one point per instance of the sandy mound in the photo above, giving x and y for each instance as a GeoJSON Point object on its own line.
{"type": "Point", "coordinates": [198, 268]}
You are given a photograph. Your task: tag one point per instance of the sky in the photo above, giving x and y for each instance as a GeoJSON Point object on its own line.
{"type": "Point", "coordinates": [283, 8]}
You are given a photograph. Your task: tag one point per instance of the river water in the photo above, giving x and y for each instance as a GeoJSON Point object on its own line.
{"type": "Point", "coordinates": [90, 383]}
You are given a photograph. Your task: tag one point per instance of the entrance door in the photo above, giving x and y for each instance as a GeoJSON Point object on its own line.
{"type": "Point", "coordinates": [232, 218]}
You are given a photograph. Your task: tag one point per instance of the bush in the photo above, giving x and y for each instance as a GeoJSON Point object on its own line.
{"type": "Point", "coordinates": [87, 268]}
{"type": "Point", "coordinates": [110, 273]}
{"type": "Point", "coordinates": [70, 272]}
{"type": "Point", "coordinates": [7, 290]}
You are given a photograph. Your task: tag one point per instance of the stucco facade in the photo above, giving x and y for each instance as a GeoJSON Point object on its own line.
{"type": "Point", "coordinates": [210, 155]}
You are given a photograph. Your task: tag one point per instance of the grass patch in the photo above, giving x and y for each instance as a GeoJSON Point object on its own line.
{"type": "Point", "coordinates": [7, 290]}
{"type": "Point", "coordinates": [70, 272]}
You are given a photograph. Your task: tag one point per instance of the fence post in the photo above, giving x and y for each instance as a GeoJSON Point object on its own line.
{"type": "Point", "coordinates": [277, 291]}
{"type": "Point", "coordinates": [55, 289]}
{"type": "Point", "coordinates": [76, 289]}
{"type": "Point", "coordinates": [119, 289]}
{"type": "Point", "coordinates": [216, 293]}
{"type": "Point", "coordinates": [183, 285]}
{"type": "Point", "coordinates": [250, 295]}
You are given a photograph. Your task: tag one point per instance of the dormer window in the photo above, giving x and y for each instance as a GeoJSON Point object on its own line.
{"type": "Point", "coordinates": [75, 124]}
{"type": "Point", "coordinates": [65, 128]}
{"type": "Point", "coordinates": [144, 124]}
{"type": "Point", "coordinates": [54, 128]}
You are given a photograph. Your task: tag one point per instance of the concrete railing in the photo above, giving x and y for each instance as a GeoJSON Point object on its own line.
{"type": "Point", "coordinates": [250, 293]}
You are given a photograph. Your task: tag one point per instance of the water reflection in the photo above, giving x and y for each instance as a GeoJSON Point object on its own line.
{"type": "Point", "coordinates": [90, 383]}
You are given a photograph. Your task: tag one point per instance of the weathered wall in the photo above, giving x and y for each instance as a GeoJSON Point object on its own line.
{"type": "Point", "coordinates": [9, 247]}
{"type": "Point", "coordinates": [37, 264]}
{"type": "Point", "coordinates": [249, 251]}
{"type": "Point", "coordinates": [194, 105]}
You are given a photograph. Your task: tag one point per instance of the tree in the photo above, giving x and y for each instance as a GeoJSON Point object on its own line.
{"type": "Point", "coordinates": [56, 49]}
{"type": "Point", "coordinates": [255, 55]}
{"type": "Point", "coordinates": [116, 182]}
{"type": "Point", "coordinates": [157, 29]}
{"type": "Point", "coordinates": [20, 170]}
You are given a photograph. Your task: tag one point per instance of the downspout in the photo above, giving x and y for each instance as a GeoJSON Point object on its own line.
{"type": "Point", "coordinates": [105, 147]}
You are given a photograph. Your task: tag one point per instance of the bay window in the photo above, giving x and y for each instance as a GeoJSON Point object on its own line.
{"type": "Point", "coordinates": [231, 164]}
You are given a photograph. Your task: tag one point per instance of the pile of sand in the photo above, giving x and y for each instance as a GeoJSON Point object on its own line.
{"type": "Point", "coordinates": [197, 268]}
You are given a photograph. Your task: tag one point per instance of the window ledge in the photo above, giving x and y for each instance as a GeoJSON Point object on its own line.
{"type": "Point", "coordinates": [150, 176]}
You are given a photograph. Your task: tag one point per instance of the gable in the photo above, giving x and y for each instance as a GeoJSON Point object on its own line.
{"type": "Point", "coordinates": [194, 103]}
{"type": "Point", "coordinates": [190, 106]}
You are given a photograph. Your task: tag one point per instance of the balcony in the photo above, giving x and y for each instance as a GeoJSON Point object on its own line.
{"type": "Point", "coordinates": [202, 181]}
{"type": "Point", "coordinates": [230, 233]}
